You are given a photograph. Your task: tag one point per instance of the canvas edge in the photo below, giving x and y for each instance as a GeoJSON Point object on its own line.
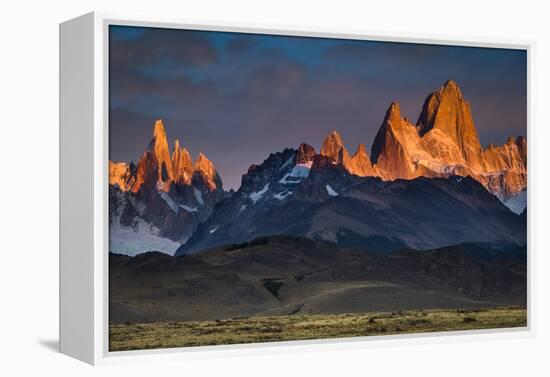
{"type": "Point", "coordinates": [101, 352]}
{"type": "Point", "coordinates": [76, 194]}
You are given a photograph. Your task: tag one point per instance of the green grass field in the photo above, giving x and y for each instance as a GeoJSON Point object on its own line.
{"type": "Point", "coordinates": [299, 327]}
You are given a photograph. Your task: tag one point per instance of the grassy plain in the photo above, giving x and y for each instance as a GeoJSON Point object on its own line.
{"type": "Point", "coordinates": [132, 336]}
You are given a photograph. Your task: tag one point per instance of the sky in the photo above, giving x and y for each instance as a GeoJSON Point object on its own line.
{"type": "Point", "coordinates": [239, 97]}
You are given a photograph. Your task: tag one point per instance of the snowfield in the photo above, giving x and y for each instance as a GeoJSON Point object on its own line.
{"type": "Point", "coordinates": [298, 172]}
{"type": "Point", "coordinates": [517, 203]}
{"type": "Point", "coordinates": [132, 241]}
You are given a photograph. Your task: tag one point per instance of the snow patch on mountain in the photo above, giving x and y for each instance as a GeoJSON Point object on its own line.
{"type": "Point", "coordinates": [160, 186]}
{"type": "Point", "coordinates": [211, 231]}
{"type": "Point", "coordinates": [168, 200]}
{"type": "Point", "coordinates": [255, 196]}
{"type": "Point", "coordinates": [517, 203]}
{"type": "Point", "coordinates": [188, 209]}
{"type": "Point", "coordinates": [326, 235]}
{"type": "Point", "coordinates": [298, 172]}
{"type": "Point", "coordinates": [438, 167]}
{"type": "Point", "coordinates": [282, 195]}
{"type": "Point", "coordinates": [198, 196]}
{"type": "Point", "coordinates": [331, 191]}
{"type": "Point", "coordinates": [139, 239]}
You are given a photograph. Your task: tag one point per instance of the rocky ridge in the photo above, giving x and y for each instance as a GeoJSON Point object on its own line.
{"type": "Point", "coordinates": [318, 198]}
{"type": "Point", "coordinates": [444, 142]}
{"type": "Point", "coordinates": [164, 196]}
{"type": "Point", "coordinates": [174, 194]}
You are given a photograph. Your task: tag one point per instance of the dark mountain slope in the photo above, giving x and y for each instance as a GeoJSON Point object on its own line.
{"type": "Point", "coordinates": [324, 202]}
{"type": "Point", "coordinates": [289, 275]}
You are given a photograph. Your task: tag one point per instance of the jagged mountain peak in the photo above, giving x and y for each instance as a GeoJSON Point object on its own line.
{"type": "Point", "coordinates": [360, 163]}
{"type": "Point", "coordinates": [120, 174]}
{"type": "Point", "coordinates": [159, 142]}
{"type": "Point", "coordinates": [511, 140]}
{"type": "Point", "coordinates": [446, 111]}
{"type": "Point", "coordinates": [393, 114]}
{"type": "Point", "coordinates": [161, 154]}
{"type": "Point", "coordinates": [387, 141]}
{"type": "Point", "coordinates": [361, 150]}
{"type": "Point", "coordinates": [182, 164]}
{"type": "Point", "coordinates": [336, 135]}
{"type": "Point", "coordinates": [159, 168]}
{"type": "Point", "coordinates": [522, 147]}
{"type": "Point", "coordinates": [451, 88]}
{"type": "Point", "coordinates": [333, 148]}
{"type": "Point", "coordinates": [304, 154]}
{"type": "Point", "coordinates": [275, 168]}
{"type": "Point", "coordinates": [203, 163]}
{"type": "Point", "coordinates": [332, 142]}
{"type": "Point", "coordinates": [205, 173]}
{"type": "Point", "coordinates": [158, 130]}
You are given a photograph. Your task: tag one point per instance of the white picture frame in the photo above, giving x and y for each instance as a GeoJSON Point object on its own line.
{"type": "Point", "coordinates": [84, 189]}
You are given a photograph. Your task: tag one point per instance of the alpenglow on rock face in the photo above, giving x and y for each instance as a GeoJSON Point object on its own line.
{"type": "Point", "coordinates": [395, 141]}
{"type": "Point", "coordinates": [445, 110]}
{"type": "Point", "coordinates": [425, 185]}
{"type": "Point", "coordinates": [159, 149]}
{"type": "Point", "coordinates": [159, 203]}
{"type": "Point", "coordinates": [182, 164]}
{"type": "Point", "coordinates": [168, 197]}
{"type": "Point", "coordinates": [333, 147]}
{"type": "Point", "coordinates": [358, 164]}
{"type": "Point", "coordinates": [162, 170]}
{"type": "Point", "coordinates": [444, 142]}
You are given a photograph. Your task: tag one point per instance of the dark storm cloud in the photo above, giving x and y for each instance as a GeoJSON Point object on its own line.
{"type": "Point", "coordinates": [365, 52]}
{"type": "Point", "coordinates": [242, 44]}
{"type": "Point", "coordinates": [238, 97]}
{"type": "Point", "coordinates": [155, 45]}
{"type": "Point", "coordinates": [150, 63]}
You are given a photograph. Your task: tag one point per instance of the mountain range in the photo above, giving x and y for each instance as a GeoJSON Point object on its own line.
{"type": "Point", "coordinates": [159, 203]}
{"type": "Point", "coordinates": [424, 185]}
{"type": "Point", "coordinates": [443, 142]}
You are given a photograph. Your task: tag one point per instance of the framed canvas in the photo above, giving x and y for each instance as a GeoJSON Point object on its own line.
{"type": "Point", "coordinates": [226, 188]}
